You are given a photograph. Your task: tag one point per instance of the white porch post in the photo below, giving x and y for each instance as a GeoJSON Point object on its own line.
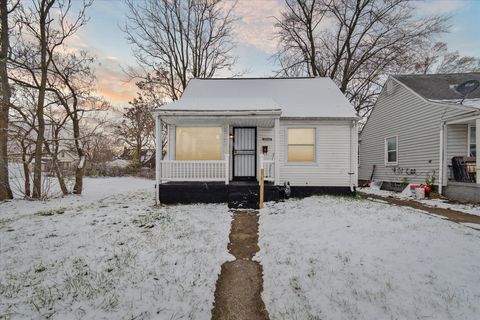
{"type": "Point", "coordinates": [277, 151]}
{"type": "Point", "coordinates": [227, 154]}
{"type": "Point", "coordinates": [477, 144]}
{"type": "Point", "coordinates": [158, 157]}
{"type": "Point", "coordinates": [443, 163]}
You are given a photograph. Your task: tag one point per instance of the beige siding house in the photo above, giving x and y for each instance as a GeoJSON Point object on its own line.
{"type": "Point", "coordinates": [418, 127]}
{"type": "Point", "coordinates": [301, 131]}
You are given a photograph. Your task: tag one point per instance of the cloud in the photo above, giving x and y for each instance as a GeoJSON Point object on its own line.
{"type": "Point", "coordinates": [112, 84]}
{"type": "Point", "coordinates": [255, 25]}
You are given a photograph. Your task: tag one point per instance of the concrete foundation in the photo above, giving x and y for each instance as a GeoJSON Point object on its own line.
{"type": "Point", "coordinates": [462, 191]}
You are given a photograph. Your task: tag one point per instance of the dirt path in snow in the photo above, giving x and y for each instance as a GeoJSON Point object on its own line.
{"type": "Point", "coordinates": [453, 215]}
{"type": "Point", "coordinates": [240, 284]}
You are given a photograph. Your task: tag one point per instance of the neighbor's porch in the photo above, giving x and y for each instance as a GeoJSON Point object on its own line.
{"type": "Point", "coordinates": [460, 165]}
{"type": "Point", "coordinates": [216, 147]}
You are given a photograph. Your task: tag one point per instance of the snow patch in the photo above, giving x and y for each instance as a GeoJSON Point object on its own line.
{"type": "Point", "coordinates": [345, 258]}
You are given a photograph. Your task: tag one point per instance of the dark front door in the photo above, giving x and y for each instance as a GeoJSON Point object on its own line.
{"type": "Point", "coordinates": [244, 151]}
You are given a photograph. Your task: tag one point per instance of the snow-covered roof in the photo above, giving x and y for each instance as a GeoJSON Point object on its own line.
{"type": "Point", "coordinates": [295, 97]}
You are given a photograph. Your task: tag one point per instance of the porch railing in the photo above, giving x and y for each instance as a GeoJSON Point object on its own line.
{"type": "Point", "coordinates": [194, 170]}
{"type": "Point", "coordinates": [268, 168]}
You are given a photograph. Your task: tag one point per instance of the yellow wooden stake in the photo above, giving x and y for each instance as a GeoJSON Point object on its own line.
{"type": "Point", "coordinates": [262, 187]}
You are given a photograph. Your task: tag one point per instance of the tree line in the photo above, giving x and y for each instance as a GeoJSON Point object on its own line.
{"type": "Point", "coordinates": [47, 90]}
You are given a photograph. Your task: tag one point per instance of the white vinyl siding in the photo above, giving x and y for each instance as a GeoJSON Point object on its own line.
{"type": "Point", "coordinates": [333, 149]}
{"type": "Point", "coordinates": [457, 142]}
{"type": "Point", "coordinates": [472, 138]}
{"type": "Point", "coordinates": [416, 122]}
{"type": "Point", "coordinates": [265, 137]}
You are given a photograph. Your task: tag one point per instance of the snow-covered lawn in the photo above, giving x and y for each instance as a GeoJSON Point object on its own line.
{"type": "Point", "coordinates": [436, 203]}
{"type": "Point", "coordinates": [110, 254]}
{"type": "Point", "coordinates": [345, 258]}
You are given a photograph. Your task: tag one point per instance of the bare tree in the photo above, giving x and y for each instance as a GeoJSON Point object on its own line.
{"type": "Point", "coordinates": [438, 59]}
{"type": "Point", "coordinates": [74, 75]}
{"type": "Point", "coordinates": [354, 42]}
{"type": "Point", "coordinates": [181, 39]}
{"type": "Point", "coordinates": [137, 128]}
{"type": "Point", "coordinates": [44, 26]}
{"type": "Point", "coordinates": [5, 94]}
{"type": "Point", "coordinates": [100, 147]}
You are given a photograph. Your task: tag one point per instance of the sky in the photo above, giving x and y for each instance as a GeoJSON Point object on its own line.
{"type": "Point", "coordinates": [253, 34]}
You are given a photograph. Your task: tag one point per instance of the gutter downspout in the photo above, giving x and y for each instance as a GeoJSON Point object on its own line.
{"type": "Point", "coordinates": [440, 171]}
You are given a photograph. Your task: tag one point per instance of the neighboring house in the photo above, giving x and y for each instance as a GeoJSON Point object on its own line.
{"type": "Point", "coordinates": [302, 131]}
{"type": "Point", "coordinates": [421, 127]}
{"type": "Point", "coordinates": [67, 160]}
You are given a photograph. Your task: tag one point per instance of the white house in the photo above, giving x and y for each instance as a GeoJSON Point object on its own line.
{"type": "Point", "coordinates": [302, 131]}
{"type": "Point", "coordinates": [421, 127]}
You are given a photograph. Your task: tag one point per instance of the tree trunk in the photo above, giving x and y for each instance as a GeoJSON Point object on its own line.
{"type": "Point", "coordinates": [37, 169]}
{"type": "Point", "coordinates": [5, 190]}
{"type": "Point", "coordinates": [80, 170]}
{"type": "Point", "coordinates": [56, 168]}
{"type": "Point", "coordinates": [26, 173]}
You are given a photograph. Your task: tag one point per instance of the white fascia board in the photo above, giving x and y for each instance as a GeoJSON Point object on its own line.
{"type": "Point", "coordinates": [357, 118]}
{"type": "Point", "coordinates": [463, 119]}
{"type": "Point", "coordinates": [231, 113]}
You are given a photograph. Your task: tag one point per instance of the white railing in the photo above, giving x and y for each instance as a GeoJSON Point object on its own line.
{"type": "Point", "coordinates": [194, 170]}
{"type": "Point", "coordinates": [268, 168]}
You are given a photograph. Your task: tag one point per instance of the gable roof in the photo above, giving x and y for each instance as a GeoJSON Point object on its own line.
{"type": "Point", "coordinates": [439, 86]}
{"type": "Point", "coordinates": [295, 97]}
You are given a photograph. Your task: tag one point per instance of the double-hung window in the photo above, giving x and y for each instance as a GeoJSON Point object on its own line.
{"type": "Point", "coordinates": [391, 150]}
{"type": "Point", "coordinates": [301, 144]}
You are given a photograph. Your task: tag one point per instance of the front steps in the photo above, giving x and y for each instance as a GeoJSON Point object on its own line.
{"type": "Point", "coordinates": [244, 196]}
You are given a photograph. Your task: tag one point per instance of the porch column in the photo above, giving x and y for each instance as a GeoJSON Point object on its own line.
{"type": "Point", "coordinates": [158, 157]}
{"type": "Point", "coordinates": [227, 154]}
{"type": "Point", "coordinates": [477, 146]}
{"type": "Point", "coordinates": [441, 162]}
{"type": "Point", "coordinates": [277, 151]}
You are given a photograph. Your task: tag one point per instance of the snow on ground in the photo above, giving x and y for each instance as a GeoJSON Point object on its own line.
{"type": "Point", "coordinates": [436, 203]}
{"type": "Point", "coordinates": [110, 254]}
{"type": "Point", "coordinates": [345, 258]}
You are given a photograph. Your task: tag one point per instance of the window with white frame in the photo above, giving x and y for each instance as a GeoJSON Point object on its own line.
{"type": "Point", "coordinates": [198, 143]}
{"type": "Point", "coordinates": [472, 141]}
{"type": "Point", "coordinates": [391, 150]}
{"type": "Point", "coordinates": [301, 145]}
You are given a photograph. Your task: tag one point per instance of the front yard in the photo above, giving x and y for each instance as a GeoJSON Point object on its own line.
{"type": "Point", "coordinates": [111, 254]}
{"type": "Point", "coordinates": [340, 258]}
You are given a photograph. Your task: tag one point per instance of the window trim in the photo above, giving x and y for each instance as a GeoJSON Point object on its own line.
{"type": "Point", "coordinates": [387, 163]}
{"type": "Point", "coordinates": [302, 163]}
{"type": "Point", "coordinates": [222, 139]}
{"type": "Point", "coordinates": [470, 126]}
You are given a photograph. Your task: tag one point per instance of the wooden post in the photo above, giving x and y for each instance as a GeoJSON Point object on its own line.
{"type": "Point", "coordinates": [262, 185]}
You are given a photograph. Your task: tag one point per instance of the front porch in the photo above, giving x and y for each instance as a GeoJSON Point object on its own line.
{"type": "Point", "coordinates": [460, 166]}
{"type": "Point", "coordinates": [217, 156]}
